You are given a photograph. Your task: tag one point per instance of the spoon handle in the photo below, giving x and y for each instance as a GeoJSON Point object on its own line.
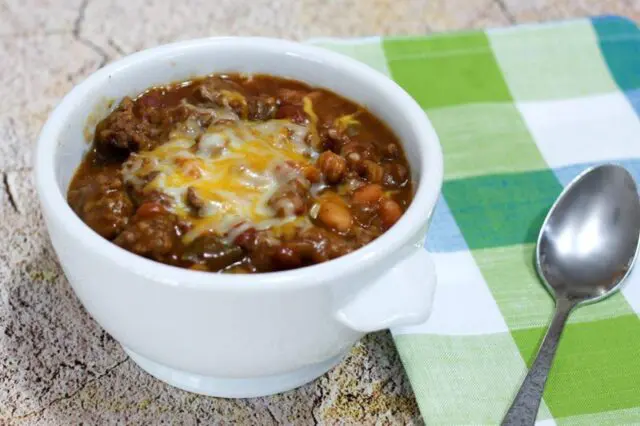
{"type": "Point", "coordinates": [525, 406]}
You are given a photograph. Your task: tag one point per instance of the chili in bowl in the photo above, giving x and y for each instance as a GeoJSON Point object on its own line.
{"type": "Point", "coordinates": [237, 173]}
{"type": "Point", "coordinates": [237, 212]}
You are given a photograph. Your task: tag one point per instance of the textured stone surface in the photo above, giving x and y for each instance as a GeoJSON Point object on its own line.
{"type": "Point", "coordinates": [36, 71]}
{"type": "Point", "coordinates": [24, 17]}
{"type": "Point", "coordinates": [537, 10]}
{"type": "Point", "coordinates": [464, 14]}
{"type": "Point", "coordinates": [57, 366]}
{"type": "Point", "coordinates": [115, 25]}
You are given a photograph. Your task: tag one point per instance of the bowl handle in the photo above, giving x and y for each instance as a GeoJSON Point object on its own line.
{"type": "Point", "coordinates": [401, 296]}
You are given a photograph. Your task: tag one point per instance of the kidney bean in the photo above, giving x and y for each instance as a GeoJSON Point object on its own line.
{"type": "Point", "coordinates": [149, 209]}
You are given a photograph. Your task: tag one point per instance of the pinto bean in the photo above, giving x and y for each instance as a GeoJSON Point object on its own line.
{"type": "Point", "coordinates": [335, 216]}
{"type": "Point", "coordinates": [332, 166]}
{"type": "Point", "coordinates": [390, 212]}
{"type": "Point", "coordinates": [370, 193]}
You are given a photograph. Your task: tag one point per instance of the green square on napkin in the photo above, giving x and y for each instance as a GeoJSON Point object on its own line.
{"type": "Point", "coordinates": [499, 133]}
{"type": "Point", "coordinates": [519, 113]}
{"type": "Point", "coordinates": [436, 74]}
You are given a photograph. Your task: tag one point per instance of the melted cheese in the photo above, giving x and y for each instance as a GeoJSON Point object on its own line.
{"type": "Point", "coordinates": [232, 168]}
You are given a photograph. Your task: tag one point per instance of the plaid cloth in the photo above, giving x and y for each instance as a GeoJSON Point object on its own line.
{"type": "Point", "coordinates": [520, 112]}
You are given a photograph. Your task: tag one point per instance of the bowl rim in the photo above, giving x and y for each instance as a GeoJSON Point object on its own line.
{"type": "Point", "coordinates": [53, 201]}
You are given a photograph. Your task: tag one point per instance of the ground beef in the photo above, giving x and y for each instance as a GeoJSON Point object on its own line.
{"type": "Point", "coordinates": [313, 245]}
{"type": "Point", "coordinates": [258, 248]}
{"type": "Point", "coordinates": [156, 237]}
{"type": "Point", "coordinates": [122, 132]}
{"type": "Point", "coordinates": [223, 93]}
{"type": "Point", "coordinates": [141, 197]}
{"type": "Point", "coordinates": [293, 195]}
{"type": "Point", "coordinates": [291, 112]}
{"type": "Point", "coordinates": [326, 245]}
{"type": "Point", "coordinates": [135, 127]}
{"type": "Point", "coordinates": [194, 201]}
{"type": "Point", "coordinates": [262, 107]}
{"type": "Point", "coordinates": [102, 202]}
{"type": "Point", "coordinates": [290, 200]}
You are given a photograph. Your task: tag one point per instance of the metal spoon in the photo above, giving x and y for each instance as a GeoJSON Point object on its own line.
{"type": "Point", "coordinates": [586, 248]}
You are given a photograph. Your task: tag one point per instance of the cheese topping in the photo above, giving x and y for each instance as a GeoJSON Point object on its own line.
{"type": "Point", "coordinates": [223, 178]}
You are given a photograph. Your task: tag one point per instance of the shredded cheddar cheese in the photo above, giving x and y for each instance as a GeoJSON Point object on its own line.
{"type": "Point", "coordinates": [345, 121]}
{"type": "Point", "coordinates": [307, 106]}
{"type": "Point", "coordinates": [232, 170]}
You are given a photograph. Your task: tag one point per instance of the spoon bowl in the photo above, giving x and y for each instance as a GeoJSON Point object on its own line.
{"type": "Point", "coordinates": [589, 239]}
{"type": "Point", "coordinates": [586, 248]}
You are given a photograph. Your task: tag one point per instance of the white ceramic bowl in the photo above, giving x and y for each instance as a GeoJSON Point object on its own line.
{"type": "Point", "coordinates": [242, 335]}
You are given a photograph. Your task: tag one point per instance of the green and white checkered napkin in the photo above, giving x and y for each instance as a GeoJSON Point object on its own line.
{"type": "Point", "coordinates": [519, 112]}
